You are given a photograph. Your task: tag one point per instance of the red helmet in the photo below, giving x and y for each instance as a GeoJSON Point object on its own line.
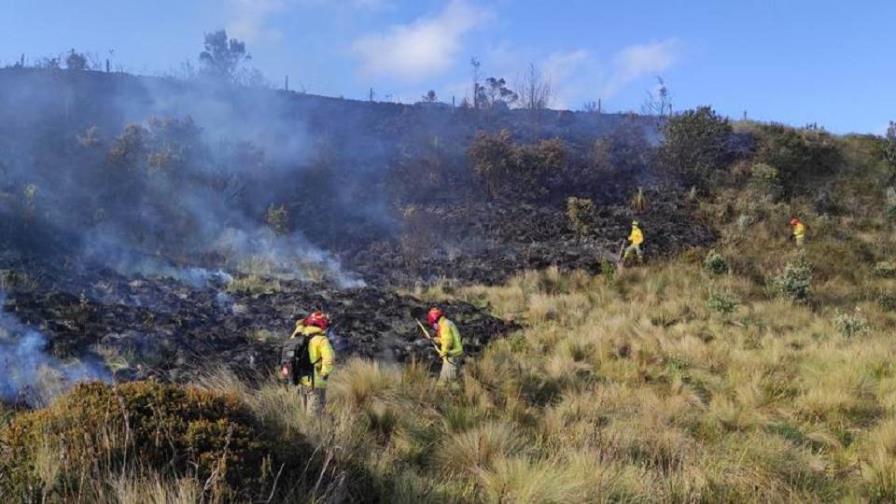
{"type": "Point", "coordinates": [434, 315]}
{"type": "Point", "coordinates": [794, 221]}
{"type": "Point", "coordinates": [317, 319]}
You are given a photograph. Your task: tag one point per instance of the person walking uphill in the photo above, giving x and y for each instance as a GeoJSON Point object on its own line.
{"type": "Point", "coordinates": [312, 374]}
{"type": "Point", "coordinates": [636, 238]}
{"type": "Point", "coordinates": [451, 348]}
{"type": "Point", "coordinates": [799, 231]}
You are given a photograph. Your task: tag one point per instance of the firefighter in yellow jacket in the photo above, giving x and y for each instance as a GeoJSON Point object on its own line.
{"type": "Point", "coordinates": [451, 348]}
{"type": "Point", "coordinates": [636, 238]}
{"type": "Point", "coordinates": [314, 388]}
{"type": "Point", "coordinates": [799, 231]}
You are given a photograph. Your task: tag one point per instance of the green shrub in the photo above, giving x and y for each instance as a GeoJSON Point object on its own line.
{"type": "Point", "coordinates": [722, 302]}
{"type": "Point", "coordinates": [851, 325]}
{"type": "Point", "coordinates": [98, 429]}
{"type": "Point", "coordinates": [797, 154]}
{"type": "Point", "coordinates": [580, 215]}
{"type": "Point", "coordinates": [890, 208]}
{"type": "Point", "coordinates": [766, 180]}
{"type": "Point", "coordinates": [695, 145]}
{"type": "Point", "coordinates": [608, 269]}
{"type": "Point", "coordinates": [715, 263]}
{"type": "Point", "coordinates": [887, 300]}
{"type": "Point", "coordinates": [890, 146]}
{"type": "Point", "coordinates": [885, 269]}
{"type": "Point", "coordinates": [795, 282]}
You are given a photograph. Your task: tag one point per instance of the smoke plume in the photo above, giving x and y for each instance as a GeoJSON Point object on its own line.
{"type": "Point", "coordinates": [30, 375]}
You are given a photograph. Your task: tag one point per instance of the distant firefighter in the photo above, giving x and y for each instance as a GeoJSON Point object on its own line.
{"type": "Point", "coordinates": [451, 349]}
{"type": "Point", "coordinates": [635, 238]}
{"type": "Point", "coordinates": [799, 231]}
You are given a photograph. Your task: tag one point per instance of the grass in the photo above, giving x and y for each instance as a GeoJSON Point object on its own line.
{"type": "Point", "coordinates": [629, 391]}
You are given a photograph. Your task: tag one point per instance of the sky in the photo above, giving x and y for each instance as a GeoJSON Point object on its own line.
{"type": "Point", "coordinates": [829, 62]}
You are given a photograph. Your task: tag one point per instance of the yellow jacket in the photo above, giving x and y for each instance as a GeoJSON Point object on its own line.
{"type": "Point", "coordinates": [320, 352]}
{"type": "Point", "coordinates": [449, 338]}
{"type": "Point", "coordinates": [799, 230]}
{"type": "Point", "coordinates": [637, 237]}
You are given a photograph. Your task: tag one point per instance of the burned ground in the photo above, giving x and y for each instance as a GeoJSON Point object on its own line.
{"type": "Point", "coordinates": [128, 203]}
{"type": "Point", "coordinates": [166, 329]}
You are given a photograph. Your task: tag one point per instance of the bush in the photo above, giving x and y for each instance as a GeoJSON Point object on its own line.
{"type": "Point", "coordinates": [795, 282]}
{"type": "Point", "coordinates": [75, 61]}
{"type": "Point", "coordinates": [885, 269]}
{"type": "Point", "coordinates": [277, 218]}
{"type": "Point", "coordinates": [890, 146]}
{"type": "Point", "coordinates": [797, 154]}
{"type": "Point", "coordinates": [511, 171]}
{"type": "Point", "coordinates": [766, 180]}
{"type": "Point", "coordinates": [887, 300]}
{"type": "Point", "coordinates": [851, 325]}
{"type": "Point", "coordinates": [695, 145]}
{"type": "Point", "coordinates": [97, 429]}
{"type": "Point", "coordinates": [715, 263]}
{"type": "Point", "coordinates": [722, 302]}
{"type": "Point", "coordinates": [890, 209]}
{"type": "Point", "coordinates": [580, 215]}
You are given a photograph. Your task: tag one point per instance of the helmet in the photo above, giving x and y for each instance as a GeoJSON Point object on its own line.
{"type": "Point", "coordinates": [794, 221]}
{"type": "Point", "coordinates": [434, 315]}
{"type": "Point", "coordinates": [635, 223]}
{"type": "Point", "coordinates": [317, 319]}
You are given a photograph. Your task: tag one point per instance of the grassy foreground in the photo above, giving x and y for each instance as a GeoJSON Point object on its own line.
{"type": "Point", "coordinates": [667, 383]}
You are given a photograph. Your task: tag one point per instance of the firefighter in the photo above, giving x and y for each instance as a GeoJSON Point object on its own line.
{"type": "Point", "coordinates": [636, 238]}
{"type": "Point", "coordinates": [799, 231]}
{"type": "Point", "coordinates": [451, 349]}
{"type": "Point", "coordinates": [322, 358]}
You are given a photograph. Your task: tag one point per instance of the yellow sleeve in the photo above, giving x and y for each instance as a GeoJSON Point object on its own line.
{"type": "Point", "coordinates": [445, 338]}
{"type": "Point", "coordinates": [458, 344]}
{"type": "Point", "coordinates": [326, 355]}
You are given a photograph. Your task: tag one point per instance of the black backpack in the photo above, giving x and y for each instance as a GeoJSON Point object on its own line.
{"type": "Point", "coordinates": [295, 362]}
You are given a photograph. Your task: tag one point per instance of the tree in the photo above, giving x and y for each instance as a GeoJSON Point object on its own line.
{"type": "Point", "coordinates": [75, 61]}
{"type": "Point", "coordinates": [695, 145]}
{"type": "Point", "coordinates": [495, 93]}
{"type": "Point", "coordinates": [535, 89]}
{"type": "Point", "coordinates": [222, 56]}
{"type": "Point", "coordinates": [659, 102]}
{"type": "Point", "coordinates": [430, 97]}
{"type": "Point", "coordinates": [475, 64]}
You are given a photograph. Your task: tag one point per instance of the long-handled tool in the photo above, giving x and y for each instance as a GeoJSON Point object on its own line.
{"type": "Point", "coordinates": [620, 259]}
{"type": "Point", "coordinates": [427, 336]}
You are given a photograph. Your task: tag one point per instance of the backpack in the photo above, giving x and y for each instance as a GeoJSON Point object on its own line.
{"type": "Point", "coordinates": [295, 362]}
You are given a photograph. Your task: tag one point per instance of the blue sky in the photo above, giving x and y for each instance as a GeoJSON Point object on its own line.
{"type": "Point", "coordinates": [794, 61]}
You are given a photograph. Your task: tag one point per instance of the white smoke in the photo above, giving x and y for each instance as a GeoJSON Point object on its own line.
{"type": "Point", "coordinates": [29, 375]}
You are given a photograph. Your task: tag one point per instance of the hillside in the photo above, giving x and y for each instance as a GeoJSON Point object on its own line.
{"type": "Point", "coordinates": [157, 229]}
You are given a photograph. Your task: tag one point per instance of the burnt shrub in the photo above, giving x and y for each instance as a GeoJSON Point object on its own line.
{"type": "Point", "coordinates": [620, 158]}
{"type": "Point", "coordinates": [98, 429]}
{"type": "Point", "coordinates": [798, 155]}
{"type": "Point", "coordinates": [695, 145]}
{"type": "Point", "coordinates": [580, 215]}
{"type": "Point", "coordinates": [510, 171]}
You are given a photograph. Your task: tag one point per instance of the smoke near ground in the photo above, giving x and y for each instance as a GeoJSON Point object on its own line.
{"type": "Point", "coordinates": [32, 376]}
